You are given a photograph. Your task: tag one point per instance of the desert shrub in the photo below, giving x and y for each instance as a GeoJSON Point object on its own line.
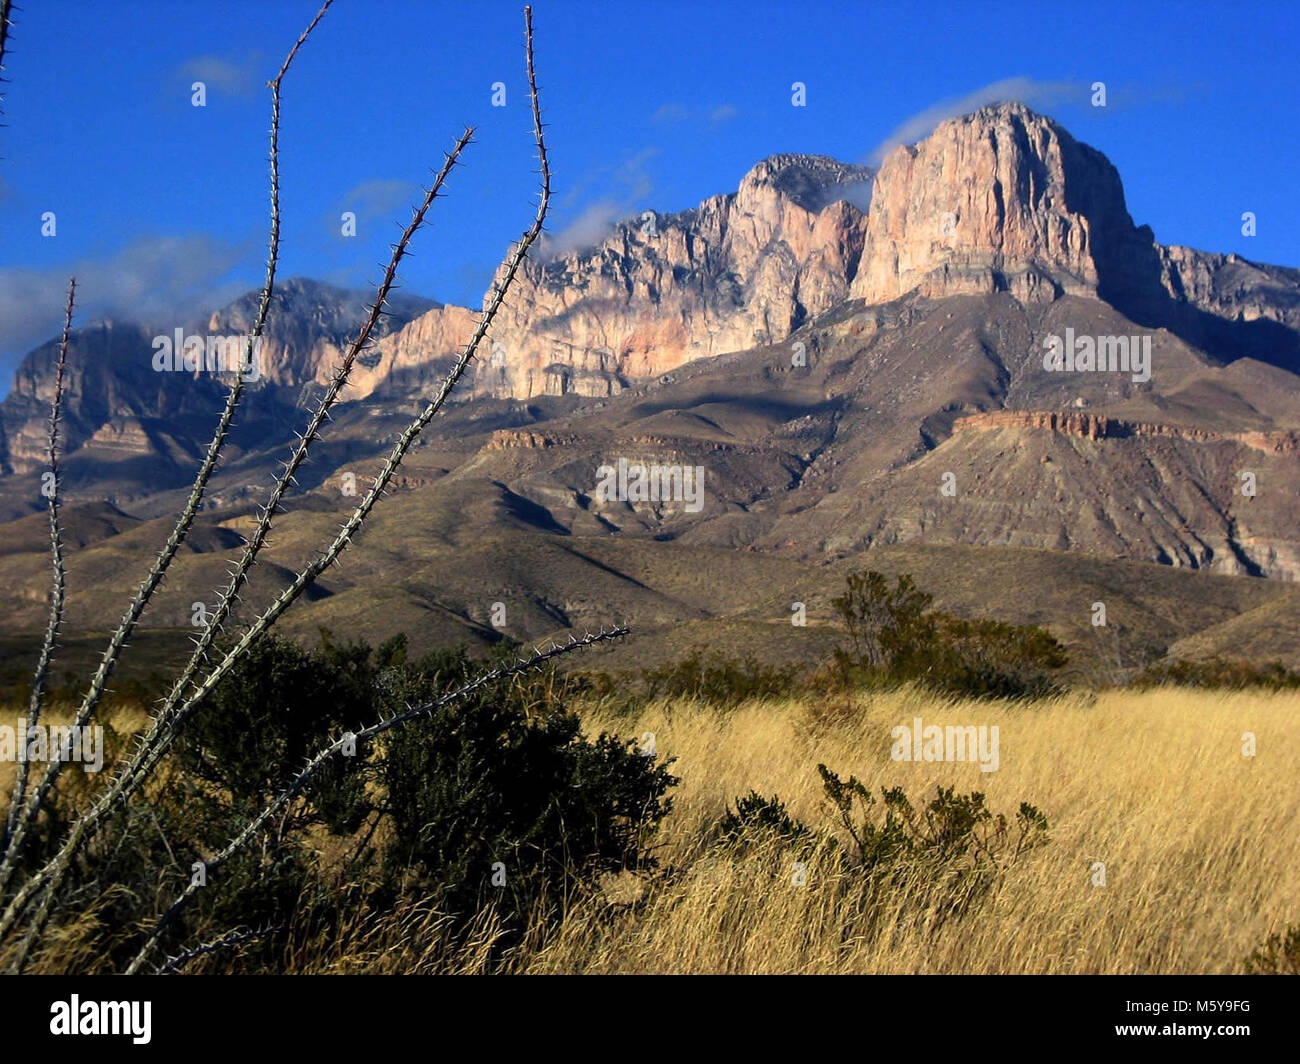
{"type": "Point", "coordinates": [756, 815]}
{"type": "Point", "coordinates": [593, 685]}
{"type": "Point", "coordinates": [276, 707]}
{"type": "Point", "coordinates": [74, 789]}
{"type": "Point", "coordinates": [895, 638]}
{"type": "Point", "coordinates": [498, 798]}
{"type": "Point", "coordinates": [938, 859]}
{"type": "Point", "coordinates": [503, 776]}
{"type": "Point", "coordinates": [1279, 955]}
{"type": "Point", "coordinates": [945, 856]}
{"type": "Point", "coordinates": [1217, 672]}
{"type": "Point", "coordinates": [990, 659]}
{"type": "Point", "coordinates": [242, 746]}
{"type": "Point", "coordinates": [884, 624]}
{"type": "Point", "coordinates": [953, 830]}
{"type": "Point", "coordinates": [719, 680]}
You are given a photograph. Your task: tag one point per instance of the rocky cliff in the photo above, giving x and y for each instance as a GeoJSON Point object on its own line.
{"type": "Point", "coordinates": [739, 270]}
{"type": "Point", "coordinates": [120, 403]}
{"type": "Point", "coordinates": [1002, 199]}
{"type": "Point", "coordinates": [999, 201]}
{"type": "Point", "coordinates": [1100, 427]}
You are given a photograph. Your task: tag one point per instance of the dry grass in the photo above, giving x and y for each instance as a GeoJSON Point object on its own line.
{"type": "Point", "coordinates": [1199, 842]}
{"type": "Point", "coordinates": [122, 718]}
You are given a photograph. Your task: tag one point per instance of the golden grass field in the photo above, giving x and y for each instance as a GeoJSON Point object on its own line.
{"type": "Point", "coordinates": [1201, 846]}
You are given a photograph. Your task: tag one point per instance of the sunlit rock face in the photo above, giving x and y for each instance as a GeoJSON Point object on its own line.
{"type": "Point", "coordinates": [739, 270]}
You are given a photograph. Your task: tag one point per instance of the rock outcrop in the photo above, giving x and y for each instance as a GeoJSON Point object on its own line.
{"type": "Point", "coordinates": [999, 200]}
{"type": "Point", "coordinates": [116, 395]}
{"type": "Point", "coordinates": [1231, 287]}
{"type": "Point", "coordinates": [740, 270]}
{"type": "Point", "coordinates": [1101, 427]}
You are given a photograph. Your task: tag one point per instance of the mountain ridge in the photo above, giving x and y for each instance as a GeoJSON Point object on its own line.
{"type": "Point", "coordinates": [819, 345]}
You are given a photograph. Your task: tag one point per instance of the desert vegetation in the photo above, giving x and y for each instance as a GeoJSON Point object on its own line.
{"type": "Point", "coordinates": [56, 825]}
{"type": "Point", "coordinates": [715, 815]}
{"type": "Point", "coordinates": [282, 807]}
{"type": "Point", "coordinates": [767, 834]}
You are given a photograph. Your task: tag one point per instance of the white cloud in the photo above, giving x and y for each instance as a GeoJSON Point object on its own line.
{"type": "Point", "coordinates": [378, 197]}
{"type": "Point", "coordinates": [597, 220]}
{"type": "Point", "coordinates": [595, 223]}
{"type": "Point", "coordinates": [1025, 90]}
{"type": "Point", "coordinates": [633, 176]}
{"type": "Point", "coordinates": [150, 278]}
{"type": "Point", "coordinates": [675, 114]}
{"type": "Point", "coordinates": [238, 77]}
{"type": "Point", "coordinates": [670, 114]}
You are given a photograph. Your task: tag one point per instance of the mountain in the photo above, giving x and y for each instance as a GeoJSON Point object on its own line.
{"type": "Point", "coordinates": [741, 269]}
{"type": "Point", "coordinates": [868, 367]}
{"type": "Point", "coordinates": [1006, 200]}
{"type": "Point", "coordinates": [130, 426]}
{"type": "Point", "coordinates": [309, 325]}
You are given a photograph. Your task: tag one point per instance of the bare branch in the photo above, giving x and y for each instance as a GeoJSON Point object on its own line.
{"type": "Point", "coordinates": [59, 587]}
{"type": "Point", "coordinates": [6, 20]}
{"type": "Point", "coordinates": [308, 575]}
{"type": "Point", "coordinates": [158, 739]}
{"type": "Point", "coordinates": [155, 746]}
{"type": "Point", "coordinates": [46, 882]}
{"type": "Point", "coordinates": [150, 584]}
{"type": "Point", "coordinates": [272, 507]}
{"type": "Point", "coordinates": [235, 938]}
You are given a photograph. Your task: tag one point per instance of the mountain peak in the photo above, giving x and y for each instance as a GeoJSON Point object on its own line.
{"type": "Point", "coordinates": [739, 270]}
{"type": "Point", "coordinates": [811, 181]}
{"type": "Point", "coordinates": [299, 295]}
{"type": "Point", "coordinates": [1007, 108]}
{"type": "Point", "coordinates": [1002, 198]}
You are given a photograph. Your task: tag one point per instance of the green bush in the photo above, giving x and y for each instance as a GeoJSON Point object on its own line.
{"type": "Point", "coordinates": [949, 853]}
{"type": "Point", "coordinates": [720, 680]}
{"type": "Point", "coordinates": [755, 815]}
{"type": "Point", "coordinates": [427, 811]}
{"type": "Point", "coordinates": [1218, 673]}
{"type": "Point", "coordinates": [945, 855]}
{"type": "Point", "coordinates": [952, 830]}
{"type": "Point", "coordinates": [896, 638]}
{"type": "Point", "coordinates": [493, 805]}
{"type": "Point", "coordinates": [273, 710]}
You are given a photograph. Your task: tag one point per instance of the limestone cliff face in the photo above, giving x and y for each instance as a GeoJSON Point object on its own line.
{"type": "Point", "coordinates": [740, 270]}
{"type": "Point", "coordinates": [413, 360]}
{"type": "Point", "coordinates": [120, 404]}
{"type": "Point", "coordinates": [1001, 199]}
{"type": "Point", "coordinates": [1231, 287]}
{"type": "Point", "coordinates": [110, 392]}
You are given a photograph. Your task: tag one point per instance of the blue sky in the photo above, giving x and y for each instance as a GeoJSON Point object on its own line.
{"type": "Point", "coordinates": [160, 204]}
